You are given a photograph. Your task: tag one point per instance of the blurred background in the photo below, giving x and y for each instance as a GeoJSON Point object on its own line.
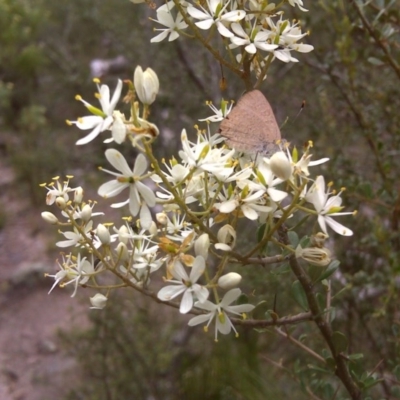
{"type": "Point", "coordinates": [51, 346]}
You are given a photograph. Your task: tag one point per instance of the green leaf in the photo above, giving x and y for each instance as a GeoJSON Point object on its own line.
{"type": "Point", "coordinates": [340, 342]}
{"type": "Point", "coordinates": [260, 232]}
{"type": "Point", "coordinates": [354, 357]}
{"type": "Point", "coordinates": [293, 238]}
{"type": "Point", "coordinates": [299, 295]}
{"type": "Point", "coordinates": [333, 266]}
{"type": "Point", "coordinates": [375, 61]}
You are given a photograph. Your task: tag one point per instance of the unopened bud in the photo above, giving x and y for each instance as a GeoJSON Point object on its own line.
{"type": "Point", "coordinates": [49, 217]}
{"type": "Point", "coordinates": [226, 238]}
{"type": "Point", "coordinates": [146, 85]}
{"type": "Point", "coordinates": [61, 203]}
{"type": "Point", "coordinates": [122, 251]}
{"type": "Point", "coordinates": [201, 246]}
{"type": "Point", "coordinates": [153, 228]}
{"type": "Point", "coordinates": [229, 280]}
{"type": "Point", "coordinates": [280, 166]}
{"type": "Point", "coordinates": [98, 301]}
{"type": "Point", "coordinates": [103, 234]}
{"type": "Point", "coordinates": [162, 218]}
{"type": "Point", "coordinates": [86, 212]}
{"type": "Point", "coordinates": [123, 234]}
{"type": "Point", "coordinates": [78, 196]}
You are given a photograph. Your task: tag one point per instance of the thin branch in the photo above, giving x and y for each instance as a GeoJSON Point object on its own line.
{"type": "Point", "coordinates": [377, 39]}
{"type": "Point", "coordinates": [341, 370]}
{"type": "Point", "coordinates": [280, 366]}
{"type": "Point", "coordinates": [255, 323]}
{"type": "Point", "coordinates": [301, 345]}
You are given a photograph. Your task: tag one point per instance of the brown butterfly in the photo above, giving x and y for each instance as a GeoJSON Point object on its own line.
{"type": "Point", "coordinates": [251, 126]}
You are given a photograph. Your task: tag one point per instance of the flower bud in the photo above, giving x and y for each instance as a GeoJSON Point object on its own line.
{"type": "Point", "coordinates": [280, 166]}
{"type": "Point", "coordinates": [201, 246]}
{"type": "Point", "coordinates": [103, 234]}
{"type": "Point", "coordinates": [162, 218]}
{"type": "Point", "coordinates": [122, 251]}
{"type": "Point", "coordinates": [98, 301]}
{"type": "Point", "coordinates": [318, 240]}
{"type": "Point", "coordinates": [153, 228]}
{"type": "Point", "coordinates": [78, 196]}
{"type": "Point", "coordinates": [118, 130]}
{"type": "Point", "coordinates": [146, 85]}
{"type": "Point", "coordinates": [49, 217]}
{"type": "Point", "coordinates": [61, 203]}
{"type": "Point", "coordinates": [123, 234]}
{"type": "Point", "coordinates": [86, 212]}
{"type": "Point", "coordinates": [229, 281]}
{"type": "Point", "coordinates": [320, 257]}
{"type": "Point", "coordinates": [226, 238]}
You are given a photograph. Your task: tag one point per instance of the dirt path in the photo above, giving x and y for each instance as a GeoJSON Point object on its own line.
{"type": "Point", "coordinates": [33, 367]}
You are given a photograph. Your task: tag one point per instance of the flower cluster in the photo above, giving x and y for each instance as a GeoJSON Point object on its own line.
{"type": "Point", "coordinates": [183, 223]}
{"type": "Point", "coordinates": [201, 197]}
{"type": "Point", "coordinates": [253, 27]}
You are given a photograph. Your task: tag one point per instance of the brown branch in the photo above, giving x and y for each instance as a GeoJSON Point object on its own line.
{"type": "Point", "coordinates": [341, 370]}
{"type": "Point", "coordinates": [255, 323]}
{"type": "Point", "coordinates": [378, 41]}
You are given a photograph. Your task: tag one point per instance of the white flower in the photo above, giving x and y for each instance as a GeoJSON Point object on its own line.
{"type": "Point", "coordinates": [301, 166]}
{"type": "Point", "coordinates": [146, 84]}
{"type": "Point", "coordinates": [327, 207]}
{"type": "Point", "coordinates": [74, 238]}
{"type": "Point", "coordinates": [286, 36]}
{"type": "Point", "coordinates": [202, 154]}
{"type": "Point", "coordinates": [185, 284]}
{"type": "Point", "coordinates": [266, 181]}
{"type": "Point", "coordinates": [145, 255]}
{"type": "Point", "coordinates": [223, 324]}
{"type": "Point", "coordinates": [250, 203]}
{"type": "Point", "coordinates": [256, 40]}
{"type": "Point", "coordinates": [140, 196]}
{"type": "Point", "coordinates": [173, 26]}
{"type": "Point", "coordinates": [294, 3]}
{"type": "Point", "coordinates": [57, 189]}
{"type": "Point", "coordinates": [220, 114]}
{"type": "Point", "coordinates": [102, 118]}
{"type": "Point", "coordinates": [216, 15]}
{"type": "Point", "coordinates": [78, 273]}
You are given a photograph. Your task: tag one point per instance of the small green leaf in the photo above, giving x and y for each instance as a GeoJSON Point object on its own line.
{"type": "Point", "coordinates": [299, 295]}
{"type": "Point", "coordinates": [260, 232]}
{"type": "Point", "coordinates": [333, 266]}
{"type": "Point", "coordinates": [293, 238]}
{"type": "Point", "coordinates": [375, 61]}
{"type": "Point", "coordinates": [354, 357]}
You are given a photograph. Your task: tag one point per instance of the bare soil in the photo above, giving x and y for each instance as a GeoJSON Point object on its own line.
{"type": "Point", "coordinates": [32, 365]}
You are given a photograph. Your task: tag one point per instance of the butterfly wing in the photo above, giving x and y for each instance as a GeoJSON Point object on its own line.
{"type": "Point", "coordinates": [251, 126]}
